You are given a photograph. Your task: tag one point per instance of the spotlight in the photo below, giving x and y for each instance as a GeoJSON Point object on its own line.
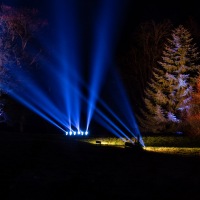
{"type": "Point", "coordinates": [73, 133]}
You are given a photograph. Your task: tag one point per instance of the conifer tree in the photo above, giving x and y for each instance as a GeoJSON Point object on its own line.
{"type": "Point", "coordinates": [167, 97]}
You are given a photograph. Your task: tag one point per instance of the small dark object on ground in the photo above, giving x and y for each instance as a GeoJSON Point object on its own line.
{"type": "Point", "coordinates": [98, 142]}
{"type": "Point", "coordinates": [135, 146]}
{"type": "Point", "coordinates": [129, 144]}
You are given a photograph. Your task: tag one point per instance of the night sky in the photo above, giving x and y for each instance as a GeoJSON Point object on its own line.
{"type": "Point", "coordinates": [134, 13]}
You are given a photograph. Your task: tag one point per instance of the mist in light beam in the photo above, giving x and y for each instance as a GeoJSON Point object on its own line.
{"type": "Point", "coordinates": [106, 29]}
{"type": "Point", "coordinates": [115, 106]}
{"type": "Point", "coordinates": [77, 80]}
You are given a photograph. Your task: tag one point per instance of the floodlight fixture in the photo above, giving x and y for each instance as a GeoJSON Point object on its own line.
{"type": "Point", "coordinates": [74, 133]}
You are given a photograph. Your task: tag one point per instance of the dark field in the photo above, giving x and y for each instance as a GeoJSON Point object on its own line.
{"type": "Point", "coordinates": [35, 167]}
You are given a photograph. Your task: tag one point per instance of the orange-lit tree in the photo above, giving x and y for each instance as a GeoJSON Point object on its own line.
{"type": "Point", "coordinates": [168, 95]}
{"type": "Point", "coordinates": [193, 118]}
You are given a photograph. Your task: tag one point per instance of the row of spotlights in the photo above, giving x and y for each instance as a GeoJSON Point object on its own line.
{"type": "Point", "coordinates": [76, 133]}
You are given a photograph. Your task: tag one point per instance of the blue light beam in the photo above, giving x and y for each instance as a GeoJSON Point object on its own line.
{"type": "Point", "coordinates": [105, 33]}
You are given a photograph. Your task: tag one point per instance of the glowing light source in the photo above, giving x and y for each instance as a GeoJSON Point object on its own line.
{"type": "Point", "coordinates": [73, 133]}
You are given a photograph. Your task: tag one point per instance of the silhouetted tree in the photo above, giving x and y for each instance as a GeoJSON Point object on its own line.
{"type": "Point", "coordinates": [193, 26]}
{"type": "Point", "coordinates": [17, 28]}
{"type": "Point", "coordinates": [145, 51]}
{"type": "Point", "coordinates": [168, 94]}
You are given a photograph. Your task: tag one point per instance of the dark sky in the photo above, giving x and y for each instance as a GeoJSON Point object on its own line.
{"type": "Point", "coordinates": [135, 11]}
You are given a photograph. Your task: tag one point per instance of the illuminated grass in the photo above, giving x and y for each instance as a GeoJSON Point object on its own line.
{"type": "Point", "coordinates": [175, 150]}
{"type": "Point", "coordinates": [180, 145]}
{"type": "Point", "coordinates": [114, 141]}
{"type": "Point", "coordinates": [171, 141]}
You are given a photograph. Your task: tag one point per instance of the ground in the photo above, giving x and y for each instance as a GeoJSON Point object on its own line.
{"type": "Point", "coordinates": [44, 166]}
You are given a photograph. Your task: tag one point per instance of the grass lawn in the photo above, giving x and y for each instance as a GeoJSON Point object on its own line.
{"type": "Point", "coordinates": [44, 166]}
{"type": "Point", "coordinates": [181, 145]}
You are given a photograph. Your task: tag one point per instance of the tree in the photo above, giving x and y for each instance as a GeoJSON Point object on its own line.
{"type": "Point", "coordinates": [192, 24]}
{"type": "Point", "coordinates": [146, 48]}
{"type": "Point", "coordinates": [17, 29]}
{"type": "Point", "coordinates": [193, 118]}
{"type": "Point", "coordinates": [167, 97]}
